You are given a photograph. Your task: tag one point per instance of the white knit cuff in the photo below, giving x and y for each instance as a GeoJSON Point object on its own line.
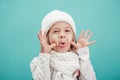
{"type": "Point", "coordinates": [83, 53]}
{"type": "Point", "coordinates": [45, 56]}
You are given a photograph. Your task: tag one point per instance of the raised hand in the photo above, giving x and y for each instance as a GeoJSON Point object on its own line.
{"type": "Point", "coordinates": [45, 47]}
{"type": "Point", "coordinates": [83, 40]}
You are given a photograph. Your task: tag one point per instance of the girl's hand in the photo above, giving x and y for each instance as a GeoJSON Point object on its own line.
{"type": "Point", "coordinates": [45, 47]}
{"type": "Point", "coordinates": [83, 40]}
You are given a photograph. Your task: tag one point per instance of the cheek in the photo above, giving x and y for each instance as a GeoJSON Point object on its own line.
{"type": "Point", "coordinates": [69, 37]}
{"type": "Point", "coordinates": [53, 39]}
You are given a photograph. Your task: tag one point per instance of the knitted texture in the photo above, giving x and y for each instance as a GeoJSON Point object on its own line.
{"type": "Point", "coordinates": [64, 64]}
{"type": "Point", "coordinates": [56, 16]}
{"type": "Point", "coordinates": [61, 66]}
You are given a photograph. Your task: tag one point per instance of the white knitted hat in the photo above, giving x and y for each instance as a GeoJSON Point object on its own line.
{"type": "Point", "coordinates": [56, 16]}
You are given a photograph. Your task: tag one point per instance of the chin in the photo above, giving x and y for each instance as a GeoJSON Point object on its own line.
{"type": "Point", "coordinates": [62, 50]}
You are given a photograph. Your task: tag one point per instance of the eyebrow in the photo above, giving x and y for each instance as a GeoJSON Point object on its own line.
{"type": "Point", "coordinates": [58, 28]}
{"type": "Point", "coordinates": [68, 27]}
{"type": "Point", "coordinates": [55, 28]}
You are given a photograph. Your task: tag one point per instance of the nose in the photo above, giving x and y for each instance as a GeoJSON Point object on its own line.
{"type": "Point", "coordinates": [62, 35]}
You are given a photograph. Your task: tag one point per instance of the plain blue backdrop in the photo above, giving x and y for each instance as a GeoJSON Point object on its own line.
{"type": "Point", "coordinates": [20, 22]}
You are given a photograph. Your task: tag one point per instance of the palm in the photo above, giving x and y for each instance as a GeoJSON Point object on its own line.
{"type": "Point", "coordinates": [83, 40]}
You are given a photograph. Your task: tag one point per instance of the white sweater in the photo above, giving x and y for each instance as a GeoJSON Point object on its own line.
{"type": "Point", "coordinates": [61, 66]}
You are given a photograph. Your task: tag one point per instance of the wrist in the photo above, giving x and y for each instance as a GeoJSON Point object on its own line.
{"type": "Point", "coordinates": [44, 51]}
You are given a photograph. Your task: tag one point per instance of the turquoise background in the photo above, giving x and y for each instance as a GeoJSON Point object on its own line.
{"type": "Point", "coordinates": [20, 22]}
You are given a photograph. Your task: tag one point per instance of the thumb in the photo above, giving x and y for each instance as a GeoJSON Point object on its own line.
{"type": "Point", "coordinates": [92, 42]}
{"type": "Point", "coordinates": [52, 45]}
{"type": "Point", "coordinates": [74, 44]}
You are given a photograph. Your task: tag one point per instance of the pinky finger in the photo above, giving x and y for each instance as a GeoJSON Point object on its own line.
{"type": "Point", "coordinates": [74, 44]}
{"type": "Point", "coordinates": [92, 42]}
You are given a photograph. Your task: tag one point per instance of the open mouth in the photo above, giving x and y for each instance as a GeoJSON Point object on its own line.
{"type": "Point", "coordinates": [62, 44]}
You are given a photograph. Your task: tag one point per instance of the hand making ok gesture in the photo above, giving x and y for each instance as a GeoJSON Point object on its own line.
{"type": "Point", "coordinates": [45, 47]}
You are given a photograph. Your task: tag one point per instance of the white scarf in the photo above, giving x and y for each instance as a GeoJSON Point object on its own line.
{"type": "Point", "coordinates": [64, 65]}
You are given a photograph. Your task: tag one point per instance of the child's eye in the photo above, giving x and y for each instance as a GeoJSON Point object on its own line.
{"type": "Point", "coordinates": [55, 31]}
{"type": "Point", "coordinates": [67, 30]}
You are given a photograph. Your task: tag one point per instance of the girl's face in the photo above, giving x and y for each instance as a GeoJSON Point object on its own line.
{"type": "Point", "coordinates": [61, 34]}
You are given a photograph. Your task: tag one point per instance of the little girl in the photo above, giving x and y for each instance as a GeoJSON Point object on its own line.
{"type": "Point", "coordinates": [61, 56]}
